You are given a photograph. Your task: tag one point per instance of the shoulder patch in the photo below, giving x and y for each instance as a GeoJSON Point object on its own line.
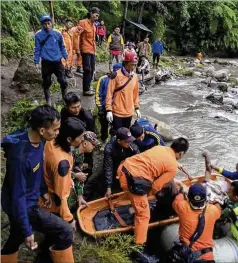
{"type": "Point", "coordinates": [63, 168]}
{"type": "Point", "coordinates": [112, 75]}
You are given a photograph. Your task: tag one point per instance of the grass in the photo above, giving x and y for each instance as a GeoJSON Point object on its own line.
{"type": "Point", "coordinates": [112, 249]}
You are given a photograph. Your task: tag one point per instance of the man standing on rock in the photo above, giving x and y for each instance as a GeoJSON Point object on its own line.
{"type": "Point", "coordinates": [123, 95]}
{"type": "Point", "coordinates": [116, 46]}
{"type": "Point", "coordinates": [144, 49]}
{"type": "Point", "coordinates": [50, 48]}
{"type": "Point", "coordinates": [87, 48]}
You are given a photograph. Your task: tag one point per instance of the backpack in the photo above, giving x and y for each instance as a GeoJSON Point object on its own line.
{"type": "Point", "coordinates": [143, 122]}
{"type": "Point", "coordinates": [181, 253]}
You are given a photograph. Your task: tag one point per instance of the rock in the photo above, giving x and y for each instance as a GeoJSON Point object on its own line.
{"type": "Point", "coordinates": [207, 61]}
{"type": "Point", "coordinates": [222, 86]}
{"type": "Point", "coordinates": [26, 72]}
{"type": "Point", "coordinates": [231, 101]}
{"type": "Point", "coordinates": [207, 81]}
{"type": "Point", "coordinates": [3, 76]}
{"type": "Point", "coordinates": [222, 75]}
{"type": "Point", "coordinates": [232, 90]}
{"type": "Point", "coordinates": [216, 98]}
{"type": "Point", "coordinates": [4, 60]}
{"type": "Point", "coordinates": [233, 63]}
{"type": "Point", "coordinates": [167, 132]}
{"type": "Point", "coordinates": [99, 73]}
{"type": "Point", "coordinates": [142, 88]}
{"type": "Point", "coordinates": [228, 108]}
{"type": "Point", "coordinates": [209, 70]}
{"type": "Point", "coordinates": [213, 84]}
{"type": "Point", "coordinates": [21, 87]}
{"type": "Point", "coordinates": [163, 74]}
{"type": "Point", "coordinates": [197, 73]}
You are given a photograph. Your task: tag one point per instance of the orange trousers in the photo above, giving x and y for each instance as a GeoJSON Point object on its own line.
{"type": "Point", "coordinates": [141, 206]}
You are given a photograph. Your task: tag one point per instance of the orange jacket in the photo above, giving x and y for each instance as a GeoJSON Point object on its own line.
{"type": "Point", "coordinates": [87, 37]}
{"type": "Point", "coordinates": [158, 165]}
{"type": "Point", "coordinates": [188, 219]}
{"type": "Point", "coordinates": [75, 31]}
{"type": "Point", "coordinates": [68, 39]}
{"type": "Point", "coordinates": [124, 102]}
{"type": "Point", "coordinates": [57, 173]}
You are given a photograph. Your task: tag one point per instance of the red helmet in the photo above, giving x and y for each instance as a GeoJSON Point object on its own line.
{"type": "Point", "coordinates": [130, 57]}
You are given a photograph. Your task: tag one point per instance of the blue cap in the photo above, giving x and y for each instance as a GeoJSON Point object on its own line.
{"type": "Point", "coordinates": [44, 18]}
{"type": "Point", "coordinates": [129, 44]}
{"type": "Point", "coordinates": [117, 66]}
{"type": "Point", "coordinates": [197, 195]}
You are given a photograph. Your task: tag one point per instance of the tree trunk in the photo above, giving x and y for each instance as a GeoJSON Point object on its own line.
{"type": "Point", "coordinates": [124, 18]}
{"type": "Point", "coordinates": [140, 17]}
{"type": "Point", "coordinates": [51, 3]}
{"type": "Point", "coordinates": [141, 12]}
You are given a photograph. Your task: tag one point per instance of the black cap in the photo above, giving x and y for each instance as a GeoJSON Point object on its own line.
{"type": "Point", "coordinates": [136, 130]}
{"type": "Point", "coordinates": [124, 134]}
{"type": "Point", "coordinates": [94, 10]}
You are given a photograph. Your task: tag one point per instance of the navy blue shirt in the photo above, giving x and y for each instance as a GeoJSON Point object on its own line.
{"type": "Point", "coordinates": [24, 179]}
{"type": "Point", "coordinates": [152, 138]}
{"type": "Point", "coordinates": [230, 175]}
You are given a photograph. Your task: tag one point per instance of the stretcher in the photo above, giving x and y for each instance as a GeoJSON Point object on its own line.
{"type": "Point", "coordinates": [117, 204]}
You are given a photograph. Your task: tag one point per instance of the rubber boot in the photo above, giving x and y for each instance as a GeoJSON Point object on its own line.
{"type": "Point", "coordinates": [68, 73]}
{"type": "Point", "coordinates": [62, 256]}
{"type": "Point", "coordinates": [12, 258]}
{"type": "Point", "coordinates": [79, 70]}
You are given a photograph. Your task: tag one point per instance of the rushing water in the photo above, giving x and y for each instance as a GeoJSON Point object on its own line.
{"type": "Point", "coordinates": [169, 102]}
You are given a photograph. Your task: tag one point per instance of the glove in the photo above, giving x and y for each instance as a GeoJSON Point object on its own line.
{"type": "Point", "coordinates": [109, 116]}
{"type": "Point", "coordinates": [138, 114]}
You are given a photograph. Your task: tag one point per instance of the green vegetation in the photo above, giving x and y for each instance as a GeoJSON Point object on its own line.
{"type": "Point", "coordinates": [112, 249]}
{"type": "Point", "coordinates": [175, 22]}
{"type": "Point", "coordinates": [20, 113]}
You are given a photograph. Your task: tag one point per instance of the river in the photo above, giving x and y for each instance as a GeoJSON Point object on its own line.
{"type": "Point", "coordinates": [169, 101]}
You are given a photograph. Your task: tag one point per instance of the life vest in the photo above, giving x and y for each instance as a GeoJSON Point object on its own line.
{"type": "Point", "coordinates": [234, 224]}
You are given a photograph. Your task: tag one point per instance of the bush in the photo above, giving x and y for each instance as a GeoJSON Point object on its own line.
{"type": "Point", "coordinates": [18, 18]}
{"type": "Point", "coordinates": [20, 113]}
{"type": "Point", "coordinates": [102, 53]}
{"type": "Point", "coordinates": [112, 249]}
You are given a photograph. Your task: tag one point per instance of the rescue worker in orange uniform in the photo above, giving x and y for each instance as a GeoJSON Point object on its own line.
{"type": "Point", "coordinates": [188, 211]}
{"type": "Point", "coordinates": [68, 41]}
{"type": "Point", "coordinates": [77, 56]}
{"type": "Point", "coordinates": [87, 48]}
{"type": "Point", "coordinates": [145, 174]}
{"type": "Point", "coordinates": [59, 163]}
{"type": "Point", "coordinates": [123, 94]}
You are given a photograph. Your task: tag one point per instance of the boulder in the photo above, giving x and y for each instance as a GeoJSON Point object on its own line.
{"type": "Point", "coordinates": [216, 98]}
{"type": "Point", "coordinates": [231, 101]}
{"type": "Point", "coordinates": [207, 61]}
{"type": "Point", "coordinates": [213, 84]}
{"type": "Point", "coordinates": [4, 60]}
{"type": "Point", "coordinates": [207, 81]}
{"type": "Point", "coordinates": [233, 63]}
{"type": "Point", "coordinates": [26, 72]}
{"type": "Point", "coordinates": [222, 75]}
{"type": "Point", "coordinates": [197, 73]}
{"type": "Point", "coordinates": [209, 70]}
{"type": "Point", "coordinates": [167, 132]}
{"type": "Point", "coordinates": [228, 108]}
{"type": "Point", "coordinates": [163, 74]}
{"type": "Point", "coordinates": [232, 90]}
{"type": "Point", "coordinates": [222, 86]}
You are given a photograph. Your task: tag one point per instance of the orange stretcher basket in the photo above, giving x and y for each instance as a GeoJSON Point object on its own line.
{"type": "Point", "coordinates": [86, 214]}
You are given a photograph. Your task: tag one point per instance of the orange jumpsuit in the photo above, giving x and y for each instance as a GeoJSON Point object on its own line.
{"type": "Point", "coordinates": [157, 165]}
{"type": "Point", "coordinates": [188, 219]}
{"type": "Point", "coordinates": [124, 102]}
{"type": "Point", "coordinates": [77, 58]}
{"type": "Point", "coordinates": [68, 41]}
{"type": "Point", "coordinates": [57, 173]}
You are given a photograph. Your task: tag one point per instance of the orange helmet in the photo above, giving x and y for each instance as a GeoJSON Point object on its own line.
{"type": "Point", "coordinates": [130, 57]}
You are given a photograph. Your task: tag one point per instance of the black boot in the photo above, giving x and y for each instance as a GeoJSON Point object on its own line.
{"type": "Point", "coordinates": [79, 70]}
{"type": "Point", "coordinates": [68, 73]}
